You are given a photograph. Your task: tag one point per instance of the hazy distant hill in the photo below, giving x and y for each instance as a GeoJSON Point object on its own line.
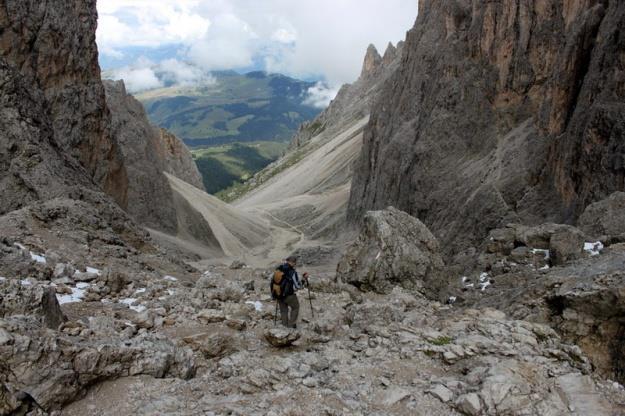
{"type": "Point", "coordinates": [234, 108]}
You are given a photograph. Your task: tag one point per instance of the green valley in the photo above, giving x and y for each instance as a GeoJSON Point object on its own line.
{"type": "Point", "coordinates": [224, 166]}
{"type": "Point", "coordinates": [232, 107]}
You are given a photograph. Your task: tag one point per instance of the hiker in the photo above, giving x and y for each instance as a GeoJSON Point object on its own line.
{"type": "Point", "coordinates": [285, 283]}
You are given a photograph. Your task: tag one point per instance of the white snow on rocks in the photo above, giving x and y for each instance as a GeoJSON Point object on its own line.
{"type": "Point", "coordinates": [594, 249]}
{"type": "Point", "coordinates": [78, 293]}
{"type": "Point", "coordinates": [38, 258]}
{"type": "Point", "coordinates": [20, 246]}
{"type": "Point", "coordinates": [257, 305]}
{"type": "Point", "coordinates": [131, 304]}
{"type": "Point", "coordinates": [2, 279]}
{"type": "Point", "coordinates": [93, 270]}
{"type": "Point", "coordinates": [170, 278]}
{"type": "Point", "coordinates": [137, 308]}
{"type": "Point", "coordinates": [25, 283]}
{"type": "Point", "coordinates": [541, 251]}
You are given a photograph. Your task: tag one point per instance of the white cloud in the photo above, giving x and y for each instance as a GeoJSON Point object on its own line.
{"type": "Point", "coordinates": [173, 71]}
{"type": "Point", "coordinates": [138, 79]}
{"type": "Point", "coordinates": [284, 35]}
{"type": "Point", "coordinates": [111, 52]}
{"type": "Point", "coordinates": [320, 95]}
{"type": "Point", "coordinates": [226, 45]}
{"type": "Point", "coordinates": [303, 38]}
{"type": "Point", "coordinates": [145, 75]}
{"type": "Point", "coordinates": [149, 23]}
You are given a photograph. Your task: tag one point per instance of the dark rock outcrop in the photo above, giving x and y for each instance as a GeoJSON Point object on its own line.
{"type": "Point", "coordinates": [53, 47]}
{"type": "Point", "coordinates": [500, 112]}
{"type": "Point", "coordinates": [393, 249]}
{"type": "Point", "coordinates": [32, 166]}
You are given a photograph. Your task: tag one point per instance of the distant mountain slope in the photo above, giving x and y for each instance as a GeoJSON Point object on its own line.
{"type": "Point", "coordinates": [309, 187]}
{"type": "Point", "coordinates": [234, 108]}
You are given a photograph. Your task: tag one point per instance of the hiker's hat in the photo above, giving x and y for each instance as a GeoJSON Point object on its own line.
{"type": "Point", "coordinates": [291, 259]}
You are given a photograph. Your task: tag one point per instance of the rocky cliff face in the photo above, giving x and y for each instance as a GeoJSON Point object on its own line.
{"type": "Point", "coordinates": [54, 47]}
{"type": "Point", "coordinates": [177, 159]}
{"type": "Point", "coordinates": [150, 198]}
{"type": "Point", "coordinates": [148, 152]}
{"type": "Point", "coordinates": [32, 166]}
{"type": "Point", "coordinates": [499, 111]}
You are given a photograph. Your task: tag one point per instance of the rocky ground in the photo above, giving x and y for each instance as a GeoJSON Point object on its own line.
{"type": "Point", "coordinates": [195, 343]}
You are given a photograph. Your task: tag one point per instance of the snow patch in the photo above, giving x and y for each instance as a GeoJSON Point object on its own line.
{"type": "Point", "coordinates": [93, 270]}
{"type": "Point", "coordinates": [464, 279]}
{"type": "Point", "coordinates": [452, 300]}
{"type": "Point", "coordinates": [541, 251]}
{"type": "Point", "coordinates": [594, 249]}
{"type": "Point", "coordinates": [38, 258]}
{"type": "Point", "coordinates": [545, 267]}
{"type": "Point", "coordinates": [20, 246]}
{"type": "Point", "coordinates": [25, 283]}
{"type": "Point", "coordinates": [3, 279]}
{"type": "Point", "coordinates": [130, 302]}
{"type": "Point", "coordinates": [170, 278]}
{"type": "Point", "coordinates": [78, 293]}
{"type": "Point", "coordinates": [140, 290]}
{"type": "Point", "coordinates": [483, 276]}
{"type": "Point", "coordinates": [485, 284]}
{"type": "Point", "coordinates": [257, 305]}
{"type": "Point", "coordinates": [137, 308]}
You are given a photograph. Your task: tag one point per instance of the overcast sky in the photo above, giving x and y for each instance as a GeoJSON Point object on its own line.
{"type": "Point", "coordinates": [310, 39]}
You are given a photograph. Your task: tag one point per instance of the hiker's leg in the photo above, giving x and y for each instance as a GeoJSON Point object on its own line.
{"type": "Point", "coordinates": [284, 312]}
{"type": "Point", "coordinates": [294, 304]}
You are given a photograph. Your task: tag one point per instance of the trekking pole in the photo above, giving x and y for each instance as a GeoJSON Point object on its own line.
{"type": "Point", "coordinates": [312, 312]}
{"type": "Point", "coordinates": [275, 315]}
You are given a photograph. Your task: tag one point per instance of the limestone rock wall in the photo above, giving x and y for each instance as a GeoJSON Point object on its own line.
{"type": "Point", "coordinates": [500, 111]}
{"type": "Point", "coordinates": [150, 199]}
{"type": "Point", "coordinates": [53, 45]}
{"type": "Point", "coordinates": [177, 159]}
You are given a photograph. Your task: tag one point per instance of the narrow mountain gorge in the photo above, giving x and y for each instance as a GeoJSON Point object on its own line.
{"type": "Point", "coordinates": [459, 208]}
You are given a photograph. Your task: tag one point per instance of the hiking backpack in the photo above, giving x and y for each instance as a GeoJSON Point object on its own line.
{"type": "Point", "coordinates": [277, 282]}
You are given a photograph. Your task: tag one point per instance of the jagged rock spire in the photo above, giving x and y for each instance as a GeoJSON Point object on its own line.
{"type": "Point", "coordinates": [389, 54]}
{"type": "Point", "coordinates": [372, 62]}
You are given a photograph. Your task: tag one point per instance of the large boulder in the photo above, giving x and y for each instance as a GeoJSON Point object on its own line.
{"type": "Point", "coordinates": [281, 337]}
{"type": "Point", "coordinates": [605, 217]}
{"type": "Point", "coordinates": [393, 249]}
{"type": "Point", "coordinates": [564, 242]}
{"type": "Point", "coordinates": [22, 298]}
